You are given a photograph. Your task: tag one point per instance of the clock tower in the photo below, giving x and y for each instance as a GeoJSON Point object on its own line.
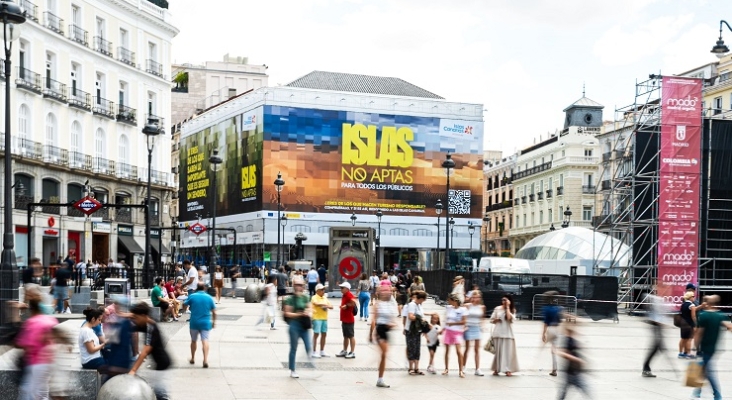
{"type": "Point", "coordinates": [583, 112]}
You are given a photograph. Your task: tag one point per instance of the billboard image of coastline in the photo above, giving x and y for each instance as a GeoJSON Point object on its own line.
{"type": "Point", "coordinates": [358, 162]}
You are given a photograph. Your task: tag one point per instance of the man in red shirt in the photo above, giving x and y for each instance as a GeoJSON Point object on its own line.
{"type": "Point", "coordinates": [170, 289]}
{"type": "Point", "coordinates": [348, 303]}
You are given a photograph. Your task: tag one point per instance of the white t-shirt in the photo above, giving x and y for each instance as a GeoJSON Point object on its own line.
{"type": "Point", "coordinates": [218, 275]}
{"type": "Point", "coordinates": [374, 281]}
{"type": "Point", "coordinates": [87, 335]}
{"type": "Point", "coordinates": [433, 335]}
{"type": "Point", "coordinates": [313, 276]}
{"type": "Point", "coordinates": [412, 308]}
{"type": "Point", "coordinates": [271, 294]}
{"type": "Point", "coordinates": [192, 273]}
{"type": "Point", "coordinates": [453, 315]}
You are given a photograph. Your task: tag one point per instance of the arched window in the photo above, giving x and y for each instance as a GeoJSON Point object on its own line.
{"type": "Point", "coordinates": [51, 130]}
{"type": "Point", "coordinates": [124, 149]}
{"type": "Point", "coordinates": [100, 143]}
{"type": "Point", "coordinates": [75, 140]}
{"type": "Point", "coordinates": [24, 119]}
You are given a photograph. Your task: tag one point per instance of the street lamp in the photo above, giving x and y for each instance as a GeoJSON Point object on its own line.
{"type": "Point", "coordinates": [452, 232]}
{"type": "Point", "coordinates": [486, 222]}
{"type": "Point", "coordinates": [720, 49]}
{"type": "Point", "coordinates": [279, 182]}
{"type": "Point", "coordinates": [215, 160]}
{"type": "Point", "coordinates": [151, 130]}
{"type": "Point", "coordinates": [379, 214]}
{"type": "Point", "coordinates": [448, 164]}
{"type": "Point", "coordinates": [568, 215]}
{"type": "Point", "coordinates": [283, 222]}
{"type": "Point", "coordinates": [471, 231]}
{"type": "Point", "coordinates": [353, 219]}
{"type": "Point", "coordinates": [12, 16]}
{"type": "Point", "coordinates": [438, 211]}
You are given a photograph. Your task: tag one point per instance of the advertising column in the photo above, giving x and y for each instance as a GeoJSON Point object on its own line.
{"type": "Point", "coordinates": [679, 186]}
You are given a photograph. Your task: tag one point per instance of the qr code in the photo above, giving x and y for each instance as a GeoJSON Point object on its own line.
{"type": "Point", "coordinates": [459, 202]}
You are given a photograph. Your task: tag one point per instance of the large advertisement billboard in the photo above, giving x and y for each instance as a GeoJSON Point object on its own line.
{"type": "Point", "coordinates": [679, 186]}
{"type": "Point", "coordinates": [359, 162]}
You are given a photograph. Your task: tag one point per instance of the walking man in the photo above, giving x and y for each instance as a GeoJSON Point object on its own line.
{"type": "Point", "coordinates": [552, 317]}
{"type": "Point", "coordinates": [655, 320]}
{"type": "Point", "coordinates": [203, 319]}
{"type": "Point", "coordinates": [348, 304]}
{"type": "Point", "coordinates": [61, 289]}
{"type": "Point", "coordinates": [313, 279]}
{"type": "Point", "coordinates": [706, 338]}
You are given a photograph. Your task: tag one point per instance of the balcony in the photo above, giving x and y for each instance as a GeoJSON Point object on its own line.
{"type": "Point", "coordinates": [80, 161]}
{"type": "Point", "coordinates": [103, 107]}
{"type": "Point", "coordinates": [523, 199]}
{"type": "Point", "coordinates": [516, 201]}
{"type": "Point", "coordinates": [55, 155]}
{"type": "Point", "coordinates": [126, 171]}
{"type": "Point", "coordinates": [161, 120]}
{"type": "Point", "coordinates": [22, 201]}
{"type": "Point", "coordinates": [102, 166]}
{"type": "Point", "coordinates": [53, 22]}
{"type": "Point", "coordinates": [126, 56]}
{"type": "Point", "coordinates": [24, 148]}
{"type": "Point", "coordinates": [607, 156]}
{"type": "Point", "coordinates": [102, 213]}
{"type": "Point", "coordinates": [31, 10]}
{"type": "Point", "coordinates": [531, 171]}
{"type": "Point", "coordinates": [154, 67]}
{"type": "Point", "coordinates": [123, 215]}
{"type": "Point", "coordinates": [103, 46]}
{"type": "Point", "coordinates": [72, 212]}
{"type": "Point", "coordinates": [79, 35]}
{"type": "Point", "coordinates": [160, 3]}
{"type": "Point", "coordinates": [80, 99]}
{"type": "Point", "coordinates": [126, 115]}
{"type": "Point", "coordinates": [54, 89]}
{"type": "Point", "coordinates": [531, 198]}
{"type": "Point", "coordinates": [576, 160]}
{"type": "Point", "coordinates": [620, 153]}
{"type": "Point", "coordinates": [28, 80]}
{"type": "Point", "coordinates": [56, 210]}
{"type": "Point", "coordinates": [549, 193]}
{"type": "Point", "coordinates": [560, 190]}
{"type": "Point", "coordinates": [605, 185]}
{"type": "Point", "coordinates": [540, 195]}
{"type": "Point", "coordinates": [589, 189]}
{"type": "Point", "coordinates": [159, 177]}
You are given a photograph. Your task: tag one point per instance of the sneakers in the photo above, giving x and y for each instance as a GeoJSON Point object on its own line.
{"type": "Point", "coordinates": [294, 374]}
{"type": "Point", "coordinates": [343, 353]}
{"type": "Point", "coordinates": [350, 355]}
{"type": "Point", "coordinates": [272, 328]}
{"type": "Point", "coordinates": [68, 310]}
{"type": "Point", "coordinates": [381, 383]}
{"type": "Point", "coordinates": [682, 355]}
{"type": "Point", "coordinates": [478, 372]}
{"type": "Point", "coordinates": [324, 354]}
{"type": "Point", "coordinates": [648, 374]}
{"type": "Point", "coordinates": [175, 319]}
{"type": "Point", "coordinates": [315, 355]}
{"type": "Point", "coordinates": [432, 371]}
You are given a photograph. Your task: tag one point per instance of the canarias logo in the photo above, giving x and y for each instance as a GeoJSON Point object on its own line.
{"type": "Point", "coordinates": [387, 158]}
{"type": "Point", "coordinates": [248, 181]}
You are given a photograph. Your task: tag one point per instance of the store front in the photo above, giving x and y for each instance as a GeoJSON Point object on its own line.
{"type": "Point", "coordinates": [100, 241]}
{"type": "Point", "coordinates": [127, 246]}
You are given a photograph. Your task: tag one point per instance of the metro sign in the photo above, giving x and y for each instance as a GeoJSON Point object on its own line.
{"type": "Point", "coordinates": [88, 205]}
{"type": "Point", "coordinates": [197, 228]}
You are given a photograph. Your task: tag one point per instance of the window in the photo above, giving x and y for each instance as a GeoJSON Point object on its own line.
{"type": "Point", "coordinates": [550, 215]}
{"type": "Point", "coordinates": [124, 38]}
{"type": "Point", "coordinates": [533, 222]}
{"type": "Point", "coordinates": [101, 28]}
{"type": "Point", "coordinates": [51, 130]}
{"type": "Point", "coordinates": [124, 149]}
{"type": "Point", "coordinates": [51, 6]}
{"type": "Point", "coordinates": [75, 15]}
{"type": "Point", "coordinates": [587, 213]}
{"type": "Point", "coordinates": [550, 183]}
{"type": "Point", "coordinates": [24, 122]}
{"type": "Point", "coordinates": [588, 152]}
{"type": "Point", "coordinates": [541, 185]}
{"type": "Point", "coordinates": [75, 76]}
{"type": "Point", "coordinates": [152, 51]}
{"type": "Point", "coordinates": [23, 57]}
{"type": "Point", "coordinates": [50, 68]}
{"type": "Point", "coordinates": [532, 188]}
{"type": "Point", "coordinates": [122, 94]}
{"type": "Point", "coordinates": [563, 153]}
{"type": "Point", "coordinates": [717, 105]}
{"type": "Point", "coordinates": [589, 180]}
{"type": "Point", "coordinates": [99, 87]}
{"type": "Point", "coordinates": [561, 180]}
{"type": "Point", "coordinates": [524, 219]}
{"type": "Point", "coordinates": [100, 143]}
{"type": "Point", "coordinates": [517, 221]}
{"type": "Point", "coordinates": [541, 217]}
{"type": "Point", "coordinates": [151, 106]}
{"type": "Point", "coordinates": [75, 140]}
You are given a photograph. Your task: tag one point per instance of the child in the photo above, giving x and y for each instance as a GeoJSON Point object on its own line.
{"type": "Point", "coordinates": [433, 340]}
{"type": "Point", "coordinates": [575, 365]}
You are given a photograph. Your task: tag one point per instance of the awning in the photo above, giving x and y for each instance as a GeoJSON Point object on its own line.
{"type": "Point", "coordinates": [131, 244]}
{"type": "Point", "coordinates": [154, 244]}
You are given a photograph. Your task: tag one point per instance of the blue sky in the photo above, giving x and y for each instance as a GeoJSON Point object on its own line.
{"type": "Point", "coordinates": [524, 60]}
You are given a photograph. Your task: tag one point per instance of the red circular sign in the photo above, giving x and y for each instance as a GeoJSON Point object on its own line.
{"type": "Point", "coordinates": [51, 222]}
{"type": "Point", "coordinates": [350, 268]}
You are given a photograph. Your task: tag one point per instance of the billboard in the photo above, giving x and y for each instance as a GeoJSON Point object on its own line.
{"type": "Point", "coordinates": [359, 162]}
{"type": "Point", "coordinates": [679, 186]}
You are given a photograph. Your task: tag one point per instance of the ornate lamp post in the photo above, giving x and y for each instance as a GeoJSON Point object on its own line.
{"type": "Point", "coordinates": [353, 219]}
{"type": "Point", "coordinates": [379, 214]}
{"type": "Point", "coordinates": [471, 231]}
{"type": "Point", "coordinates": [720, 49]}
{"type": "Point", "coordinates": [567, 219]}
{"type": "Point", "coordinates": [486, 222]}
{"type": "Point", "coordinates": [552, 228]}
{"type": "Point", "coordinates": [448, 164]}
{"type": "Point", "coordinates": [12, 16]}
{"type": "Point", "coordinates": [438, 211]}
{"type": "Point", "coordinates": [451, 232]}
{"type": "Point", "coordinates": [279, 182]}
{"type": "Point", "coordinates": [283, 222]}
{"type": "Point", "coordinates": [151, 130]}
{"type": "Point", "coordinates": [215, 160]}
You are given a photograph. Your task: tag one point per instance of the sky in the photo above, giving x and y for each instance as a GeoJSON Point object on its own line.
{"type": "Point", "coordinates": [525, 61]}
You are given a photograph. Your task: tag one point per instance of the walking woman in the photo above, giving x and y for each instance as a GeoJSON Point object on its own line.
{"type": "Point", "coordinates": [416, 285]}
{"type": "Point", "coordinates": [455, 319]}
{"type": "Point", "coordinates": [364, 298]}
{"type": "Point", "coordinates": [505, 358]}
{"type": "Point", "coordinates": [298, 313]}
{"type": "Point", "coordinates": [413, 328]}
{"type": "Point", "coordinates": [687, 324]}
{"type": "Point", "coordinates": [218, 283]}
{"type": "Point", "coordinates": [458, 287]}
{"type": "Point", "coordinates": [36, 337]}
{"type": "Point", "coordinates": [476, 313]}
{"type": "Point", "coordinates": [385, 312]}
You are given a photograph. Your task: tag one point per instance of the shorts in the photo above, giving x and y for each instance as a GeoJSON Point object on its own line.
{"type": "Point", "coordinates": [281, 292]}
{"type": "Point", "coordinates": [473, 333]}
{"type": "Point", "coordinates": [402, 299]}
{"type": "Point", "coordinates": [320, 326]}
{"type": "Point", "coordinates": [61, 293]}
{"type": "Point", "coordinates": [382, 332]}
{"type": "Point", "coordinates": [453, 337]}
{"type": "Point", "coordinates": [196, 332]}
{"type": "Point", "coordinates": [347, 330]}
{"type": "Point", "coordinates": [218, 283]}
{"type": "Point", "coordinates": [434, 346]}
{"type": "Point", "coordinates": [687, 332]}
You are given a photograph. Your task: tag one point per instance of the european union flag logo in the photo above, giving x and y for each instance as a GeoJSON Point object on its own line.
{"type": "Point", "coordinates": [269, 214]}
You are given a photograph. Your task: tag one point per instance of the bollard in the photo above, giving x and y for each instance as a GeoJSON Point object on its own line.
{"type": "Point", "coordinates": [252, 294]}
{"type": "Point", "coordinates": [125, 387]}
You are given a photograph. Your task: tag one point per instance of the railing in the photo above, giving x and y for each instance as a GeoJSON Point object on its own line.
{"type": "Point", "coordinates": [549, 193]}
{"type": "Point", "coordinates": [31, 10]}
{"type": "Point", "coordinates": [54, 89]}
{"type": "Point", "coordinates": [126, 114]}
{"type": "Point", "coordinates": [540, 195]}
{"type": "Point", "coordinates": [51, 209]}
{"type": "Point", "coordinates": [126, 56]}
{"type": "Point", "coordinates": [516, 201]}
{"type": "Point", "coordinates": [102, 213]}
{"type": "Point", "coordinates": [126, 171]}
{"type": "Point", "coordinates": [532, 171]}
{"type": "Point", "coordinates": [154, 67]}
{"type": "Point", "coordinates": [589, 189]}
{"type": "Point", "coordinates": [154, 219]}
{"type": "Point", "coordinates": [123, 215]}
{"type": "Point", "coordinates": [103, 46]}
{"type": "Point", "coordinates": [605, 185]}
{"type": "Point", "coordinates": [28, 79]}
{"type": "Point", "coordinates": [80, 99]}
{"type": "Point", "coordinates": [523, 199]}
{"type": "Point", "coordinates": [159, 177]}
{"type": "Point", "coordinates": [53, 22]}
{"type": "Point", "coordinates": [79, 160]}
{"type": "Point", "coordinates": [102, 166]}
{"type": "Point", "coordinates": [620, 153]}
{"type": "Point", "coordinates": [103, 107]}
{"type": "Point", "coordinates": [72, 212]}
{"type": "Point", "coordinates": [607, 156]}
{"type": "Point", "coordinates": [22, 201]}
{"type": "Point", "coordinates": [26, 148]}
{"type": "Point", "coordinates": [55, 155]}
{"type": "Point", "coordinates": [531, 197]}
{"type": "Point", "coordinates": [160, 3]}
{"type": "Point", "coordinates": [79, 35]}
{"type": "Point", "coordinates": [580, 160]}
{"type": "Point", "coordinates": [560, 190]}
{"type": "Point", "coordinates": [161, 120]}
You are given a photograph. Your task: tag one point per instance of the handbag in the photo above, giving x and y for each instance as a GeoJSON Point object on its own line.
{"type": "Point", "coordinates": [678, 321]}
{"type": "Point", "coordinates": [490, 346]}
{"type": "Point", "coordinates": [306, 323]}
{"type": "Point", "coordinates": [694, 375]}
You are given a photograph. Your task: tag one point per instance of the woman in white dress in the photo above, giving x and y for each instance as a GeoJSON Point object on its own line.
{"type": "Point", "coordinates": [505, 358]}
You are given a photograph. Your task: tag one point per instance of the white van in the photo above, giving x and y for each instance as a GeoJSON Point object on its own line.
{"type": "Point", "coordinates": [504, 264]}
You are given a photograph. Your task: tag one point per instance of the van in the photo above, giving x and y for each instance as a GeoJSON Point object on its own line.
{"type": "Point", "coordinates": [504, 264]}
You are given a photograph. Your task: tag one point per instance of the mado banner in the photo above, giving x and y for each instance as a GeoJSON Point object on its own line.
{"type": "Point", "coordinates": [679, 186]}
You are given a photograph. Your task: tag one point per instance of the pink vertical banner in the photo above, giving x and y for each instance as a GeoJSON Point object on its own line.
{"type": "Point", "coordinates": [679, 186]}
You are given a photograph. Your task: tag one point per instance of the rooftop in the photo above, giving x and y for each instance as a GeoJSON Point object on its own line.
{"type": "Point", "coordinates": [342, 82]}
{"type": "Point", "coordinates": [584, 102]}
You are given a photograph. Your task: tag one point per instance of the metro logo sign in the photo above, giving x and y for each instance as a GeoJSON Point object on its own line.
{"type": "Point", "coordinates": [88, 205]}
{"type": "Point", "coordinates": [197, 228]}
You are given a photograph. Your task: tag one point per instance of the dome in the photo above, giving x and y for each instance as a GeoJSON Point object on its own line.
{"type": "Point", "coordinates": [576, 243]}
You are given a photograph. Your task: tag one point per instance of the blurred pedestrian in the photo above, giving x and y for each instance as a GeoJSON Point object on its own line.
{"type": "Point", "coordinates": [709, 323]}
{"type": "Point", "coordinates": [297, 312]}
{"type": "Point", "coordinates": [269, 304]}
{"type": "Point", "coordinates": [90, 345]}
{"type": "Point", "coordinates": [474, 325]}
{"type": "Point", "coordinates": [458, 288]}
{"type": "Point", "coordinates": [656, 321]}
{"type": "Point", "coordinates": [61, 290]}
{"type": "Point", "coordinates": [218, 283]}
{"type": "Point", "coordinates": [320, 307]}
{"type": "Point", "coordinates": [433, 340]}
{"type": "Point", "coordinates": [383, 321]}
{"type": "Point", "coordinates": [575, 365]}
{"type": "Point", "coordinates": [202, 321]}
{"type": "Point", "coordinates": [373, 286]}
{"type": "Point", "coordinates": [552, 313]}
{"type": "Point", "coordinates": [364, 297]}
{"type": "Point", "coordinates": [455, 318]}
{"type": "Point", "coordinates": [36, 338]}
{"type": "Point", "coordinates": [157, 376]}
{"type": "Point", "coordinates": [312, 278]}
{"type": "Point", "coordinates": [505, 359]}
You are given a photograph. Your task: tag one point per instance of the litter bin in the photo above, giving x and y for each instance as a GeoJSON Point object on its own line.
{"type": "Point", "coordinates": [252, 293]}
{"type": "Point", "coordinates": [114, 286]}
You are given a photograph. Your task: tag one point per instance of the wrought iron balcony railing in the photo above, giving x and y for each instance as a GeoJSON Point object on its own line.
{"type": "Point", "coordinates": [54, 89]}
{"type": "Point", "coordinates": [53, 22]}
{"type": "Point", "coordinates": [126, 171]}
{"type": "Point", "coordinates": [29, 80]}
{"type": "Point", "coordinates": [79, 35]}
{"type": "Point", "coordinates": [123, 215]}
{"type": "Point", "coordinates": [127, 115]}
{"type": "Point", "coordinates": [103, 46]}
{"type": "Point", "coordinates": [55, 155]}
{"type": "Point", "coordinates": [103, 166]}
{"type": "Point", "coordinates": [126, 56]}
{"type": "Point", "coordinates": [549, 193]}
{"type": "Point", "coordinates": [589, 189]}
{"type": "Point", "coordinates": [78, 160]}
{"type": "Point", "coordinates": [154, 67]}
{"type": "Point", "coordinates": [80, 99]}
{"type": "Point", "coordinates": [103, 107]}
{"type": "Point", "coordinates": [31, 10]}
{"type": "Point", "coordinates": [560, 190]}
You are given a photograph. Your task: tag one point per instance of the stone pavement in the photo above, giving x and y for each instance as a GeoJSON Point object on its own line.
{"type": "Point", "coordinates": [250, 363]}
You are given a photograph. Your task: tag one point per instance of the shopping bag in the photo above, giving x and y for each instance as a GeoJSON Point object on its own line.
{"type": "Point", "coordinates": [694, 375]}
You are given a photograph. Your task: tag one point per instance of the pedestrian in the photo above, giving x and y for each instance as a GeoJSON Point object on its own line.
{"type": "Point", "coordinates": [373, 285]}
{"type": "Point", "coordinates": [402, 296]}
{"type": "Point", "coordinates": [656, 322]}
{"type": "Point", "coordinates": [297, 312]}
{"type": "Point", "coordinates": [281, 284]}
{"type": "Point", "coordinates": [157, 376]}
{"type": "Point", "coordinates": [706, 338]}
{"type": "Point", "coordinates": [61, 290]}
{"type": "Point", "coordinates": [505, 357]}
{"type": "Point", "coordinates": [320, 306]}
{"type": "Point", "coordinates": [552, 318]}
{"type": "Point", "coordinates": [218, 283]}
{"type": "Point", "coordinates": [415, 326]}
{"type": "Point", "coordinates": [121, 342]}
{"type": "Point", "coordinates": [686, 326]}
{"type": "Point", "coordinates": [90, 348]}
{"type": "Point", "coordinates": [473, 331]}
{"type": "Point", "coordinates": [383, 322]}
{"type": "Point", "coordinates": [458, 287]}
{"type": "Point", "coordinates": [313, 279]}
{"type": "Point", "coordinates": [234, 274]}
{"type": "Point", "coordinates": [348, 305]}
{"type": "Point", "coordinates": [323, 275]}
{"type": "Point", "coordinates": [36, 338]}
{"type": "Point", "coordinates": [455, 319]}
{"type": "Point", "coordinates": [416, 285]}
{"type": "Point", "coordinates": [364, 297]}
{"type": "Point", "coordinates": [159, 300]}
{"type": "Point", "coordinates": [575, 365]}
{"type": "Point", "coordinates": [269, 304]}
{"type": "Point", "coordinates": [192, 274]}
{"type": "Point", "coordinates": [433, 341]}
{"type": "Point", "coordinates": [202, 321]}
